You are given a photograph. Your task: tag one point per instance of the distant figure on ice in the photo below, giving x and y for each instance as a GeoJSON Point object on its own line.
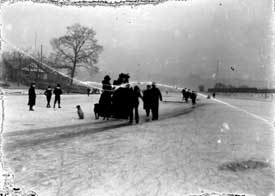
{"type": "Point", "coordinates": [48, 93]}
{"type": "Point", "coordinates": [186, 95]}
{"type": "Point", "coordinates": [88, 91]}
{"type": "Point", "coordinates": [135, 97]}
{"type": "Point", "coordinates": [155, 98]}
{"type": "Point", "coordinates": [80, 113]}
{"type": "Point", "coordinates": [128, 97]}
{"type": "Point", "coordinates": [147, 101]}
{"type": "Point", "coordinates": [214, 95]}
{"type": "Point", "coordinates": [183, 94]}
{"type": "Point", "coordinates": [32, 96]}
{"type": "Point", "coordinates": [193, 97]}
{"type": "Point", "coordinates": [57, 92]}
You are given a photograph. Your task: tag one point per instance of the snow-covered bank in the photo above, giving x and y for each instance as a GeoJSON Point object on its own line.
{"type": "Point", "coordinates": [19, 118]}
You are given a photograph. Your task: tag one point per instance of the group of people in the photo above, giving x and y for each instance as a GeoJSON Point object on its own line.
{"type": "Point", "coordinates": [123, 101]}
{"type": "Point", "coordinates": [150, 97]}
{"type": "Point", "coordinates": [48, 93]}
{"type": "Point", "coordinates": [119, 100]}
{"type": "Point", "coordinates": [187, 93]}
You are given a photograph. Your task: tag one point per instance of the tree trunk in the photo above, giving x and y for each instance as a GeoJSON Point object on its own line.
{"type": "Point", "coordinates": [72, 75]}
{"type": "Point", "coordinates": [19, 72]}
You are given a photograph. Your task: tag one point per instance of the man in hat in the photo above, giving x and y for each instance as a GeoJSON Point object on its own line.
{"type": "Point", "coordinates": [155, 98]}
{"type": "Point", "coordinates": [32, 96]}
{"type": "Point", "coordinates": [58, 92]}
{"type": "Point", "coordinates": [147, 101]}
{"type": "Point", "coordinates": [193, 97]}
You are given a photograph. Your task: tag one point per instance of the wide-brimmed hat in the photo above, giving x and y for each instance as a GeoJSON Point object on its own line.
{"type": "Point", "coordinates": [107, 77]}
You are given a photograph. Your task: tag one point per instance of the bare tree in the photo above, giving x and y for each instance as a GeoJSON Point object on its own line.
{"type": "Point", "coordinates": [77, 48]}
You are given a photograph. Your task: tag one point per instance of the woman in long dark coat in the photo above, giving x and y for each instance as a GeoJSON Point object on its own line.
{"type": "Point", "coordinates": [106, 97]}
{"type": "Point", "coordinates": [32, 96]}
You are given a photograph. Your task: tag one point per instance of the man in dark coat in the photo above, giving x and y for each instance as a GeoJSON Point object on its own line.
{"type": "Point", "coordinates": [32, 96]}
{"type": "Point", "coordinates": [213, 95]}
{"type": "Point", "coordinates": [155, 97]}
{"type": "Point", "coordinates": [186, 95]}
{"type": "Point", "coordinates": [48, 93]}
{"type": "Point", "coordinates": [147, 101]}
{"type": "Point", "coordinates": [128, 102]}
{"type": "Point", "coordinates": [88, 91]}
{"type": "Point", "coordinates": [58, 92]}
{"type": "Point", "coordinates": [193, 97]}
{"type": "Point", "coordinates": [183, 94]}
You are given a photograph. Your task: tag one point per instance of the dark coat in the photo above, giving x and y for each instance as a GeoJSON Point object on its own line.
{"type": "Point", "coordinates": [32, 96]}
{"type": "Point", "coordinates": [193, 97]}
{"type": "Point", "coordinates": [129, 98]}
{"type": "Point", "coordinates": [187, 94]}
{"type": "Point", "coordinates": [155, 96]}
{"type": "Point", "coordinates": [106, 96]}
{"type": "Point", "coordinates": [122, 102]}
{"type": "Point", "coordinates": [183, 92]}
{"type": "Point", "coordinates": [106, 85]}
{"type": "Point", "coordinates": [57, 92]}
{"type": "Point", "coordinates": [48, 93]}
{"type": "Point", "coordinates": [146, 99]}
{"type": "Point", "coordinates": [136, 96]}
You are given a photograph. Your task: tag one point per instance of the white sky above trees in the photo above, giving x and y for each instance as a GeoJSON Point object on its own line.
{"type": "Point", "coordinates": [171, 40]}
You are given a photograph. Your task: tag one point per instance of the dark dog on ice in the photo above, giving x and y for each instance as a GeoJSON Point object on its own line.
{"type": "Point", "coordinates": [101, 111]}
{"type": "Point", "coordinates": [80, 112]}
{"type": "Point", "coordinates": [97, 110]}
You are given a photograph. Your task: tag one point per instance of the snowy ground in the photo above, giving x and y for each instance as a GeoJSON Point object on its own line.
{"type": "Point", "coordinates": [19, 118]}
{"type": "Point", "coordinates": [178, 155]}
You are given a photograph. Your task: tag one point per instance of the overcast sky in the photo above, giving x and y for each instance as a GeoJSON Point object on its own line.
{"type": "Point", "coordinates": [172, 39]}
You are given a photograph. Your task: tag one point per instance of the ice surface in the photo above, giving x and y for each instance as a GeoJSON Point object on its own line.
{"type": "Point", "coordinates": [177, 155]}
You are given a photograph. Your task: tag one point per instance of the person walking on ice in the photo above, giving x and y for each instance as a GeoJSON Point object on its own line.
{"type": "Point", "coordinates": [183, 92]}
{"type": "Point", "coordinates": [193, 97]}
{"type": "Point", "coordinates": [155, 98]}
{"type": "Point", "coordinates": [57, 92]}
{"type": "Point", "coordinates": [147, 101]}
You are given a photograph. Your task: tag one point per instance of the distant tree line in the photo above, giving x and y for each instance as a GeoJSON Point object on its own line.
{"type": "Point", "coordinates": [223, 88]}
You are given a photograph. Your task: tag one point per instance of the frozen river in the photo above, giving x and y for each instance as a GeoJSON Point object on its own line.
{"type": "Point", "coordinates": [185, 152]}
